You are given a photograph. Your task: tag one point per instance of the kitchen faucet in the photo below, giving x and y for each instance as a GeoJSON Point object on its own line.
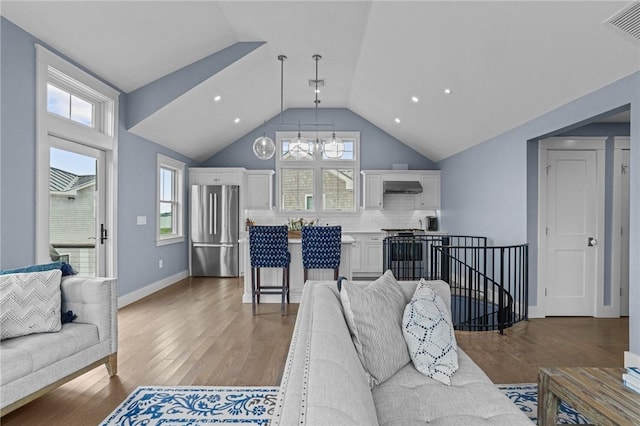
{"type": "Point", "coordinates": [420, 222]}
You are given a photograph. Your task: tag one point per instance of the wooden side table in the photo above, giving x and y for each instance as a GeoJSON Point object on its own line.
{"type": "Point", "coordinates": [597, 393]}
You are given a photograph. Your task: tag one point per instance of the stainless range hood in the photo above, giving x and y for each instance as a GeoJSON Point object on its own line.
{"type": "Point", "coordinates": [401, 187]}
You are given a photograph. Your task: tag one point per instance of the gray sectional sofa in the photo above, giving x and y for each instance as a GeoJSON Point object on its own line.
{"type": "Point", "coordinates": [37, 363]}
{"type": "Point", "coordinates": [324, 382]}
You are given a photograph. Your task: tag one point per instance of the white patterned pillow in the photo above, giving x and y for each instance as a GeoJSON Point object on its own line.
{"type": "Point", "coordinates": [429, 334]}
{"type": "Point", "coordinates": [374, 317]}
{"type": "Point", "coordinates": [30, 303]}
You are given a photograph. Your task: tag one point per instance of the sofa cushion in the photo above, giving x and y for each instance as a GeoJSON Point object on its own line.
{"type": "Point", "coordinates": [26, 354]}
{"type": "Point", "coordinates": [429, 334]}
{"type": "Point", "coordinates": [411, 398]}
{"type": "Point", "coordinates": [374, 317]}
{"type": "Point", "coordinates": [30, 303]}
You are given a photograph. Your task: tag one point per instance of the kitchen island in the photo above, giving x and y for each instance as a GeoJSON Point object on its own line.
{"type": "Point", "coordinates": [271, 276]}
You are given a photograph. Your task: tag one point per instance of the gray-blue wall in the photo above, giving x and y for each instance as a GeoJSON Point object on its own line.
{"type": "Point", "coordinates": [379, 150]}
{"type": "Point", "coordinates": [137, 253]}
{"type": "Point", "coordinates": [491, 189]}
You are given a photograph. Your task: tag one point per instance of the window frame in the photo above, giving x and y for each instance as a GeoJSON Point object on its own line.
{"type": "Point", "coordinates": [168, 163]}
{"type": "Point", "coordinates": [318, 165]}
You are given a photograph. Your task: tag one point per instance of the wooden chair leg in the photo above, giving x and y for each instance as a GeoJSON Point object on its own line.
{"type": "Point", "coordinates": [253, 290]}
{"type": "Point", "coordinates": [258, 285]}
{"type": "Point", "coordinates": [288, 278]}
{"type": "Point", "coordinates": [336, 272]}
{"type": "Point", "coordinates": [285, 272]}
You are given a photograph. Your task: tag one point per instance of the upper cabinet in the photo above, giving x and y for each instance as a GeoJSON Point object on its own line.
{"type": "Point", "coordinates": [258, 189]}
{"type": "Point", "coordinates": [215, 176]}
{"type": "Point", "coordinates": [430, 197]}
{"type": "Point", "coordinates": [373, 188]}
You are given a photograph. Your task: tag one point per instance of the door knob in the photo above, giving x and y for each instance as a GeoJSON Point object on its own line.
{"type": "Point", "coordinates": [592, 242]}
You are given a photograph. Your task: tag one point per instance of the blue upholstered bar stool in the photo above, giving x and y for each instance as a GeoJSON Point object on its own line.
{"type": "Point", "coordinates": [269, 248]}
{"type": "Point", "coordinates": [321, 248]}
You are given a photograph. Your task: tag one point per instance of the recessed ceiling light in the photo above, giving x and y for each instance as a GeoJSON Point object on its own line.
{"type": "Point", "coordinates": [217, 98]}
{"type": "Point", "coordinates": [317, 90]}
{"type": "Point", "coordinates": [415, 99]}
{"type": "Point", "coordinates": [397, 120]}
{"type": "Point", "coordinates": [447, 91]}
{"type": "Point", "coordinates": [237, 120]}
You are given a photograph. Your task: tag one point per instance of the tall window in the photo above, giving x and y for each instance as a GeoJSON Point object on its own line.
{"type": "Point", "coordinates": [170, 201]}
{"type": "Point", "coordinates": [76, 122]}
{"type": "Point", "coordinates": [317, 181]}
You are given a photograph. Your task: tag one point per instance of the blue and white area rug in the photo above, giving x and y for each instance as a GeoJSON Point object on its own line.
{"type": "Point", "coordinates": [205, 405]}
{"type": "Point", "coordinates": [195, 405]}
{"type": "Point", "coordinates": [525, 396]}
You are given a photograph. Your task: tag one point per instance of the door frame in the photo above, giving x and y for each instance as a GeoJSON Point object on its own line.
{"type": "Point", "coordinates": [597, 144]}
{"type": "Point", "coordinates": [104, 138]}
{"type": "Point", "coordinates": [619, 143]}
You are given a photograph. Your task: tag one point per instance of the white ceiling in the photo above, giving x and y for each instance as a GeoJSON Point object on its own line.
{"type": "Point", "coordinates": [506, 62]}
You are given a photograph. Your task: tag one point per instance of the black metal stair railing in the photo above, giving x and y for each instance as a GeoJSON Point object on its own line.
{"type": "Point", "coordinates": [489, 285]}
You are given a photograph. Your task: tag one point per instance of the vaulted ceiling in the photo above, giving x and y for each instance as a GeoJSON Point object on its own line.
{"type": "Point", "coordinates": [506, 62]}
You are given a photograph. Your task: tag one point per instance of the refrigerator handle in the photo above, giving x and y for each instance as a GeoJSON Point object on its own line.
{"type": "Point", "coordinates": [210, 213]}
{"type": "Point", "coordinates": [215, 212]}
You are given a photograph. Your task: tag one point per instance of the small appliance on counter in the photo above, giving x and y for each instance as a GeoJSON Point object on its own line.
{"type": "Point", "coordinates": [431, 223]}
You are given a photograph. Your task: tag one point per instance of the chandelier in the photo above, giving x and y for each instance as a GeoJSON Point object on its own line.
{"type": "Point", "coordinates": [299, 147]}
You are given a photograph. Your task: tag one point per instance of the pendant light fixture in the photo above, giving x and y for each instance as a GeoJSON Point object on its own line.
{"type": "Point", "coordinates": [264, 147]}
{"type": "Point", "coordinates": [299, 147]}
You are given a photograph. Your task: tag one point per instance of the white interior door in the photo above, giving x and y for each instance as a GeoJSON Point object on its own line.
{"type": "Point", "coordinates": [77, 232]}
{"type": "Point", "coordinates": [624, 234]}
{"type": "Point", "coordinates": [571, 255]}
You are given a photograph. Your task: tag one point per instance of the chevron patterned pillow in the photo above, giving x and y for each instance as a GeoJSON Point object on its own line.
{"type": "Point", "coordinates": [30, 303]}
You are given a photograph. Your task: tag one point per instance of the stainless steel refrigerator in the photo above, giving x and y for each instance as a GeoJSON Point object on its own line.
{"type": "Point", "coordinates": [214, 230]}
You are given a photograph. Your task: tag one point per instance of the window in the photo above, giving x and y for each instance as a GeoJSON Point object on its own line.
{"type": "Point", "coordinates": [64, 104]}
{"type": "Point", "coordinates": [170, 201]}
{"type": "Point", "coordinates": [317, 181]}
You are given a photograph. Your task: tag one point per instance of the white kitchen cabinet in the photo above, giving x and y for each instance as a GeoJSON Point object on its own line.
{"type": "Point", "coordinates": [258, 189]}
{"type": "Point", "coordinates": [429, 199]}
{"type": "Point", "coordinates": [366, 254]}
{"type": "Point", "coordinates": [215, 176]}
{"type": "Point", "coordinates": [373, 186]}
{"type": "Point", "coordinates": [372, 190]}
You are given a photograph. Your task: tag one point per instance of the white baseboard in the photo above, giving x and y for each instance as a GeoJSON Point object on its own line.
{"type": "Point", "coordinates": [631, 359]}
{"type": "Point", "coordinates": [136, 295]}
{"type": "Point", "coordinates": [535, 312]}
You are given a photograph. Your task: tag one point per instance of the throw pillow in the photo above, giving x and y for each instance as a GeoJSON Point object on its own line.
{"type": "Point", "coordinates": [33, 268]}
{"type": "Point", "coordinates": [429, 334]}
{"type": "Point", "coordinates": [30, 303]}
{"type": "Point", "coordinates": [374, 317]}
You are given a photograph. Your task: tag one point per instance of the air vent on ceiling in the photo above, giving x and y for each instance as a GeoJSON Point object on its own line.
{"type": "Point", "coordinates": [628, 20]}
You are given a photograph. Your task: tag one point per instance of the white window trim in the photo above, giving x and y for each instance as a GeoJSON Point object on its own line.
{"type": "Point", "coordinates": [317, 167]}
{"type": "Point", "coordinates": [104, 138]}
{"type": "Point", "coordinates": [178, 167]}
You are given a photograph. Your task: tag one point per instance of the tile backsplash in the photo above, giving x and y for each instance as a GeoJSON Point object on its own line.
{"type": "Point", "coordinates": [363, 220]}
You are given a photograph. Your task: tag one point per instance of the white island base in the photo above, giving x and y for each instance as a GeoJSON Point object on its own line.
{"type": "Point", "coordinates": [273, 276]}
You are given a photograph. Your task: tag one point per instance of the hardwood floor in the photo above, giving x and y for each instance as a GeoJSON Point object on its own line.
{"type": "Point", "coordinates": [197, 332]}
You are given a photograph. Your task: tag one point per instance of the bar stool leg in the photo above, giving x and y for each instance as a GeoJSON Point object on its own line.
{"type": "Point", "coordinates": [304, 279]}
{"type": "Point", "coordinates": [336, 272]}
{"type": "Point", "coordinates": [258, 285]}
{"type": "Point", "coordinates": [288, 278]}
{"type": "Point", "coordinates": [284, 289]}
{"type": "Point", "coordinates": [253, 291]}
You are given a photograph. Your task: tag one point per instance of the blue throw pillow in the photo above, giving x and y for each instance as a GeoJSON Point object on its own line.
{"type": "Point", "coordinates": [63, 266]}
{"type": "Point", "coordinates": [67, 269]}
{"type": "Point", "coordinates": [34, 268]}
